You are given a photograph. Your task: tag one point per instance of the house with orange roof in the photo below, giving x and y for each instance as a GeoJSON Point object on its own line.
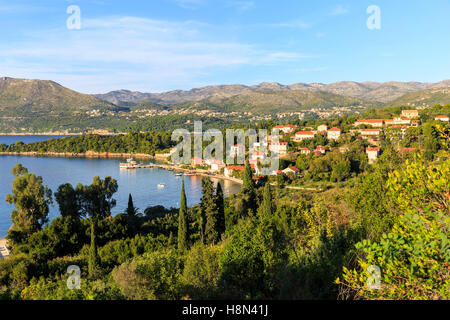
{"type": "Point", "coordinates": [288, 128]}
{"type": "Point", "coordinates": [229, 170]}
{"type": "Point", "coordinates": [442, 118]}
{"type": "Point", "coordinates": [410, 114]}
{"type": "Point", "coordinates": [303, 135]}
{"type": "Point", "coordinates": [334, 133]}
{"type": "Point", "coordinates": [372, 154]}
{"type": "Point", "coordinates": [320, 149]}
{"type": "Point", "coordinates": [370, 132]}
{"type": "Point", "coordinates": [378, 123]}
{"type": "Point", "coordinates": [278, 147]}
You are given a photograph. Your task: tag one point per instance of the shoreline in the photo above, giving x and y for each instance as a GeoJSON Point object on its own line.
{"type": "Point", "coordinates": [88, 154]}
{"type": "Point", "coordinates": [58, 133]}
{"type": "Point", "coordinates": [113, 155]}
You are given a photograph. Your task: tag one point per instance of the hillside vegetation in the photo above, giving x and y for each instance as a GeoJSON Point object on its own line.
{"type": "Point", "coordinates": [27, 98]}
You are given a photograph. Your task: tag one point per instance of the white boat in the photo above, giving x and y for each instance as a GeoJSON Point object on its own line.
{"type": "Point", "coordinates": [130, 164]}
{"type": "Point", "coordinates": [161, 185]}
{"type": "Point", "coordinates": [179, 174]}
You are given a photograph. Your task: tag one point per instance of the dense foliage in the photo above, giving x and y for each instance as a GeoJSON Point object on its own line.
{"type": "Point", "coordinates": [377, 231]}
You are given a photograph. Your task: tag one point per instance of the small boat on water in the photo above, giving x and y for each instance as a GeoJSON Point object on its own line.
{"type": "Point", "coordinates": [179, 174]}
{"type": "Point", "coordinates": [191, 173]}
{"type": "Point", "coordinates": [130, 164]}
{"type": "Point", "coordinates": [161, 185]}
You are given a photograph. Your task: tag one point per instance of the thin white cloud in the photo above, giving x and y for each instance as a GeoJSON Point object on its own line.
{"type": "Point", "coordinates": [190, 4]}
{"type": "Point", "coordinates": [296, 24]}
{"type": "Point", "coordinates": [339, 10]}
{"type": "Point", "coordinates": [143, 54]}
{"type": "Point", "coordinates": [240, 5]}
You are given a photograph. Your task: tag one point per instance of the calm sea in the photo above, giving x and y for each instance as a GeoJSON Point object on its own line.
{"type": "Point", "coordinates": [141, 183]}
{"type": "Point", "coordinates": [26, 139]}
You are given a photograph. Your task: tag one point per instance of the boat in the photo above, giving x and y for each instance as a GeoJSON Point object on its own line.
{"type": "Point", "coordinates": [130, 164]}
{"type": "Point", "coordinates": [179, 174]}
{"type": "Point", "coordinates": [191, 173]}
{"type": "Point", "coordinates": [161, 185]}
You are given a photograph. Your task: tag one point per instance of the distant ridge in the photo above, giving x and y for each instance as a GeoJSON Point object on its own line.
{"type": "Point", "coordinates": [27, 97]}
{"type": "Point", "coordinates": [375, 92]}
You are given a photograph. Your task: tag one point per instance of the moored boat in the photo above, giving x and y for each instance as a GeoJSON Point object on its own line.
{"type": "Point", "coordinates": [130, 164]}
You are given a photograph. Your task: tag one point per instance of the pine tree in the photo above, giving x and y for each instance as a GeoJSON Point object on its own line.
{"type": "Point", "coordinates": [183, 232]}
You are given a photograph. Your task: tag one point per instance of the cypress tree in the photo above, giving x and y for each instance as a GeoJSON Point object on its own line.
{"type": "Point", "coordinates": [248, 191]}
{"type": "Point", "coordinates": [267, 208]}
{"type": "Point", "coordinates": [220, 209]}
{"type": "Point", "coordinates": [93, 254]}
{"type": "Point", "coordinates": [131, 210]}
{"type": "Point", "coordinates": [183, 232]}
{"type": "Point", "coordinates": [209, 209]}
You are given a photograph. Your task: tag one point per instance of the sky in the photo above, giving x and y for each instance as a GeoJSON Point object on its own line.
{"type": "Point", "coordinates": [162, 45]}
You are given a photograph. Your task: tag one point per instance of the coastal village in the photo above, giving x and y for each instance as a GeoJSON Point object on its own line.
{"type": "Point", "coordinates": [290, 145]}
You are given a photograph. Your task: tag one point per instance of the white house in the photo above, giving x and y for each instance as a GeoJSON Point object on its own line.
{"type": "Point", "coordinates": [288, 128]}
{"type": "Point", "coordinates": [442, 118]}
{"type": "Point", "coordinates": [279, 147]}
{"type": "Point", "coordinates": [258, 156]}
{"type": "Point", "coordinates": [372, 154]}
{"type": "Point", "coordinates": [305, 151]}
{"type": "Point", "coordinates": [303, 135]}
{"type": "Point", "coordinates": [322, 128]}
{"type": "Point", "coordinates": [334, 133]}
{"type": "Point", "coordinates": [370, 132]}
{"type": "Point", "coordinates": [370, 122]}
{"type": "Point", "coordinates": [410, 114]}
{"type": "Point", "coordinates": [216, 165]}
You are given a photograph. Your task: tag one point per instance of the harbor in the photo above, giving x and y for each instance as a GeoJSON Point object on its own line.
{"type": "Point", "coordinates": [131, 164]}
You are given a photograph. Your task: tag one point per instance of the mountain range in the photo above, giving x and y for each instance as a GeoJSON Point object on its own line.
{"type": "Point", "coordinates": [374, 92]}
{"type": "Point", "coordinates": [46, 106]}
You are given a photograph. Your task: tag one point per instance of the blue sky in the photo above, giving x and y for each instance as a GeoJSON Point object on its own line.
{"type": "Point", "coordinates": [161, 45]}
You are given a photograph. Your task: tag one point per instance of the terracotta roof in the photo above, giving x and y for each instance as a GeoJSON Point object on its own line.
{"type": "Point", "coordinates": [441, 117]}
{"type": "Point", "coordinates": [371, 130]}
{"type": "Point", "coordinates": [373, 149]}
{"type": "Point", "coordinates": [335, 129]}
{"type": "Point", "coordinates": [285, 126]}
{"type": "Point", "coordinates": [294, 169]}
{"type": "Point", "coordinates": [371, 120]}
{"type": "Point", "coordinates": [304, 133]}
{"type": "Point", "coordinates": [235, 168]}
